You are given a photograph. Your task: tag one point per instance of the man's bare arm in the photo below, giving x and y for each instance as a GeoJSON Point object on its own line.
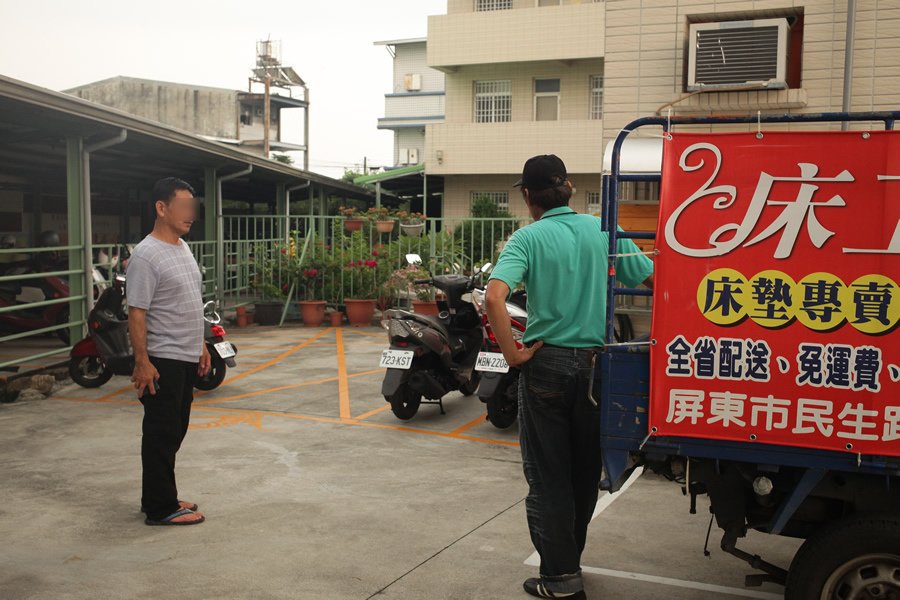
{"type": "Point", "coordinates": [649, 282]}
{"type": "Point", "coordinates": [145, 374]}
{"type": "Point", "coordinates": [495, 301]}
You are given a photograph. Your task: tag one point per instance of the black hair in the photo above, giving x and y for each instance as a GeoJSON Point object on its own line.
{"type": "Point", "coordinates": [551, 197]}
{"type": "Point", "coordinates": [165, 189]}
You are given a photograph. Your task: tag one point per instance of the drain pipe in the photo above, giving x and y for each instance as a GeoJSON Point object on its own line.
{"type": "Point", "coordinates": [220, 235]}
{"type": "Point", "coordinates": [87, 228]}
{"type": "Point", "coordinates": [849, 42]}
{"type": "Point", "coordinates": [287, 208]}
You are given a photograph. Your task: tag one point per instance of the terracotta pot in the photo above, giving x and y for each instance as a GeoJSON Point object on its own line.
{"type": "Point", "coordinates": [385, 226]}
{"type": "Point", "coordinates": [312, 312]}
{"type": "Point", "coordinates": [353, 224]}
{"type": "Point", "coordinates": [360, 312]}
{"type": "Point", "coordinates": [425, 307]}
{"type": "Point", "coordinates": [337, 318]}
{"type": "Point", "coordinates": [412, 230]}
{"type": "Point", "coordinates": [241, 316]}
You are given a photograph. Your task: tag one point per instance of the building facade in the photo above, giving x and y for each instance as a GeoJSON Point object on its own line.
{"type": "Point", "coordinates": [526, 77]}
{"type": "Point", "coordinates": [415, 101]}
{"type": "Point", "coordinates": [220, 114]}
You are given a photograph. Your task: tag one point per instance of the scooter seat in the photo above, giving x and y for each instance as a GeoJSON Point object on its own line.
{"type": "Point", "coordinates": [427, 320]}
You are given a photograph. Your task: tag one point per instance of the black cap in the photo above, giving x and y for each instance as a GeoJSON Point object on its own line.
{"type": "Point", "coordinates": [542, 172]}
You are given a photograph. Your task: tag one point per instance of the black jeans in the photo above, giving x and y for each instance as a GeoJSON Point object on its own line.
{"type": "Point", "coordinates": [166, 418]}
{"type": "Point", "coordinates": [560, 439]}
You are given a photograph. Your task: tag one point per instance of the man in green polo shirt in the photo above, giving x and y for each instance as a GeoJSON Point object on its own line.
{"type": "Point", "coordinates": [563, 260]}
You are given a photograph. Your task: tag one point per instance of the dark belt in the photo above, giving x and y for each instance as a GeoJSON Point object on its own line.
{"type": "Point", "coordinates": [589, 350]}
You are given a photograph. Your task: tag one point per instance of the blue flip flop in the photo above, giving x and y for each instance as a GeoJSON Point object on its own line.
{"type": "Point", "coordinates": [170, 520]}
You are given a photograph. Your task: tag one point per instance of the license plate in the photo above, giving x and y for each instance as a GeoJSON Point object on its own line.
{"type": "Point", "coordinates": [225, 349]}
{"type": "Point", "coordinates": [491, 361]}
{"type": "Point", "coordinates": [396, 359]}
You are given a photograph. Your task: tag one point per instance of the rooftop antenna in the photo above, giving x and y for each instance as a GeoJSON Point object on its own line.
{"type": "Point", "coordinates": [270, 72]}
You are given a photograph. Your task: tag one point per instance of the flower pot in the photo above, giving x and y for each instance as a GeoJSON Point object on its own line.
{"type": "Point", "coordinates": [241, 316]}
{"type": "Point", "coordinates": [353, 224]}
{"type": "Point", "coordinates": [386, 226]}
{"type": "Point", "coordinates": [312, 312]}
{"type": "Point", "coordinates": [425, 307]}
{"type": "Point", "coordinates": [412, 230]}
{"type": "Point", "coordinates": [337, 318]}
{"type": "Point", "coordinates": [268, 313]}
{"type": "Point", "coordinates": [360, 312]}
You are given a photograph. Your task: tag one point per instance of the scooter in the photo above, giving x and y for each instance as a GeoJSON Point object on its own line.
{"type": "Point", "coordinates": [499, 386]}
{"type": "Point", "coordinates": [106, 351]}
{"type": "Point", "coordinates": [38, 289]}
{"type": "Point", "coordinates": [432, 356]}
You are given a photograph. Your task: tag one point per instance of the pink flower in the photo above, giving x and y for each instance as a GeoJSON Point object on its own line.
{"type": "Point", "coordinates": [312, 272]}
{"type": "Point", "coordinates": [284, 250]}
{"type": "Point", "coordinates": [374, 252]}
{"type": "Point", "coordinates": [371, 263]}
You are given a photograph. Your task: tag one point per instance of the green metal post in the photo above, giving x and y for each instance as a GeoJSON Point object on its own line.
{"type": "Point", "coordinates": [282, 211]}
{"type": "Point", "coordinates": [75, 213]}
{"type": "Point", "coordinates": [210, 229]}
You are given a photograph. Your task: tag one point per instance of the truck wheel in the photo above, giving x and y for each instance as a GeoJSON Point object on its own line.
{"type": "Point", "coordinates": [854, 559]}
{"type": "Point", "coordinates": [216, 375]}
{"type": "Point", "coordinates": [88, 371]}
{"type": "Point", "coordinates": [404, 402]}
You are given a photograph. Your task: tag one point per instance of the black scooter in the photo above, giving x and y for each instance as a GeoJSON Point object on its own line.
{"type": "Point", "coordinates": [432, 356]}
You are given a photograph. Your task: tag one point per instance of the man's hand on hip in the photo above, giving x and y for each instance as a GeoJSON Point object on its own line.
{"type": "Point", "coordinates": [144, 377]}
{"type": "Point", "coordinates": [203, 366]}
{"type": "Point", "coordinates": [522, 355]}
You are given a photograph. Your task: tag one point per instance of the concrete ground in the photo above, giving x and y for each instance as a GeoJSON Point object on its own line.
{"type": "Point", "coordinates": [312, 489]}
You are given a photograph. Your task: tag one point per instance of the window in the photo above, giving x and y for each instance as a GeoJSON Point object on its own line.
{"type": "Point", "coordinates": [546, 99]}
{"type": "Point", "coordinates": [593, 203]}
{"type": "Point", "coordinates": [548, 2]}
{"type": "Point", "coordinates": [501, 199]}
{"type": "Point", "coordinates": [639, 191]}
{"type": "Point", "coordinates": [596, 96]}
{"type": "Point", "coordinates": [493, 101]}
{"type": "Point", "coordinates": [481, 5]}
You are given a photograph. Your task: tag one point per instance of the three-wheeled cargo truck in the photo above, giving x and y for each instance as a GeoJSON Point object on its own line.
{"type": "Point", "coordinates": [770, 381]}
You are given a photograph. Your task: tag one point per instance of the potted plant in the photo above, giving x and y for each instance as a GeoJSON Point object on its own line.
{"type": "Point", "coordinates": [268, 310]}
{"type": "Point", "coordinates": [384, 221]}
{"type": "Point", "coordinates": [312, 310]}
{"type": "Point", "coordinates": [411, 223]}
{"type": "Point", "coordinates": [421, 297]}
{"type": "Point", "coordinates": [275, 276]}
{"type": "Point", "coordinates": [352, 219]}
{"type": "Point", "coordinates": [336, 317]}
{"type": "Point", "coordinates": [366, 283]}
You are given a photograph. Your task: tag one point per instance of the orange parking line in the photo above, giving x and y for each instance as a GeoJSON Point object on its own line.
{"type": "Point", "coordinates": [468, 426]}
{"type": "Point", "coordinates": [343, 384]}
{"type": "Point", "coordinates": [375, 411]}
{"type": "Point", "coordinates": [282, 388]}
{"type": "Point", "coordinates": [277, 359]}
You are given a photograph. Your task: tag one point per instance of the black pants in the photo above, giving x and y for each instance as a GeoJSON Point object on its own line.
{"type": "Point", "coordinates": [166, 418]}
{"type": "Point", "coordinates": [560, 440]}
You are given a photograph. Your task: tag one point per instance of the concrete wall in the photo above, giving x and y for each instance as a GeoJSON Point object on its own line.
{"type": "Point", "coordinates": [199, 110]}
{"type": "Point", "coordinates": [412, 58]}
{"type": "Point", "coordinates": [410, 138]}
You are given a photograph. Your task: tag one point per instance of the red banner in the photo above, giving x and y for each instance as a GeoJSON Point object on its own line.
{"type": "Point", "coordinates": [777, 300]}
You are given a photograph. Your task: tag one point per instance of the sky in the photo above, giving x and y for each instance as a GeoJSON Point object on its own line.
{"type": "Point", "coordinates": [60, 44]}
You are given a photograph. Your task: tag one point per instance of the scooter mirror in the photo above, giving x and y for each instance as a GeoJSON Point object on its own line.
{"type": "Point", "coordinates": [210, 314]}
{"type": "Point", "coordinates": [414, 259]}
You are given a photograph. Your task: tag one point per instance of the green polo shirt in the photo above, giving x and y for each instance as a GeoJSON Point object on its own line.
{"type": "Point", "coordinates": [563, 261]}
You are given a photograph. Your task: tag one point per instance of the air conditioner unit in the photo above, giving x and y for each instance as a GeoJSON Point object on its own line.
{"type": "Point", "coordinates": [738, 54]}
{"type": "Point", "coordinates": [413, 156]}
{"type": "Point", "coordinates": [412, 82]}
{"type": "Point", "coordinates": [403, 156]}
